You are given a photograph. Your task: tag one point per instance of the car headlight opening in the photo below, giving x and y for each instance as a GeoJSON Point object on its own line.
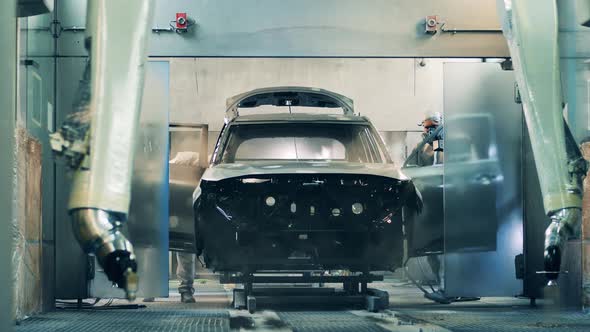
{"type": "Point", "coordinates": [270, 201]}
{"type": "Point", "coordinates": [357, 208]}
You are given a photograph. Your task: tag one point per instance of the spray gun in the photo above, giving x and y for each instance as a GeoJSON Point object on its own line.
{"type": "Point", "coordinates": [98, 139]}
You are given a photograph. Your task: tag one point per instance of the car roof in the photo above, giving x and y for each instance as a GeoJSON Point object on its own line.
{"type": "Point", "coordinates": [298, 117]}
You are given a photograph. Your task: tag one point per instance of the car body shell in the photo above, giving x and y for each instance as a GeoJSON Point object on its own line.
{"type": "Point", "coordinates": [236, 231]}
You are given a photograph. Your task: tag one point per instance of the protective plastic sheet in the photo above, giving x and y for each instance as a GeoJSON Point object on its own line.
{"type": "Point", "coordinates": [483, 191]}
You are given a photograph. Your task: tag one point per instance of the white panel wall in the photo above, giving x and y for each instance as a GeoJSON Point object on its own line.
{"type": "Point", "coordinates": [318, 28]}
{"type": "Point", "coordinates": [394, 93]}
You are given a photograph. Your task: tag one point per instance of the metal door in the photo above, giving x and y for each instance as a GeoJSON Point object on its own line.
{"type": "Point", "coordinates": [483, 202]}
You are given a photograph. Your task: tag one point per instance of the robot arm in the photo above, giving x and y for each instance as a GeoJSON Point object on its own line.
{"type": "Point", "coordinates": [531, 29]}
{"type": "Point", "coordinates": [98, 141]}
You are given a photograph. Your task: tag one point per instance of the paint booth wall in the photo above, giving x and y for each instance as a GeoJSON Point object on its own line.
{"type": "Point", "coordinates": [395, 94]}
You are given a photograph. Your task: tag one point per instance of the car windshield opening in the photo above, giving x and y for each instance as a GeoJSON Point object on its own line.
{"type": "Point", "coordinates": [355, 143]}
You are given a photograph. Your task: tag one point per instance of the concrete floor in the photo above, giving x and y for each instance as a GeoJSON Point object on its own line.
{"type": "Point", "coordinates": [409, 311]}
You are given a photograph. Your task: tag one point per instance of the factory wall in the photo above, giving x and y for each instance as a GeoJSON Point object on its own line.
{"type": "Point", "coordinates": [293, 28]}
{"type": "Point", "coordinates": [394, 93]}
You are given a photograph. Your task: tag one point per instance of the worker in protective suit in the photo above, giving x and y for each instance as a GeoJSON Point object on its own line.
{"type": "Point", "coordinates": [430, 150]}
{"type": "Point", "coordinates": [185, 271]}
{"type": "Point", "coordinates": [431, 153]}
{"type": "Point", "coordinates": [427, 153]}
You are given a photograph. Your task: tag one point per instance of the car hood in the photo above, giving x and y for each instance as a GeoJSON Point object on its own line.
{"type": "Point", "coordinates": [226, 171]}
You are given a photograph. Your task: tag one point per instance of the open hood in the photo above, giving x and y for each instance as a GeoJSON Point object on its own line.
{"type": "Point", "coordinates": [288, 95]}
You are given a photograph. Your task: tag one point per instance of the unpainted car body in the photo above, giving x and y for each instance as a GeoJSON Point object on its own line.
{"type": "Point", "coordinates": [296, 191]}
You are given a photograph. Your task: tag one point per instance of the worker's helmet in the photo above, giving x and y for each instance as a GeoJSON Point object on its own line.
{"type": "Point", "coordinates": [436, 118]}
